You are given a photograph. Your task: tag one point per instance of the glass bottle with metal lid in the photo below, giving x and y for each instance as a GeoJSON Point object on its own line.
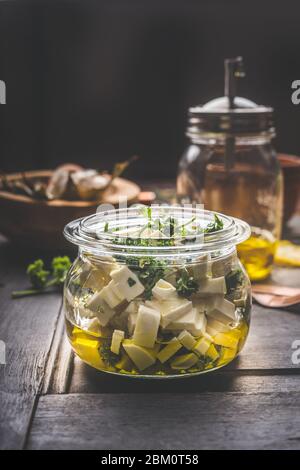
{"type": "Point", "coordinates": [231, 166]}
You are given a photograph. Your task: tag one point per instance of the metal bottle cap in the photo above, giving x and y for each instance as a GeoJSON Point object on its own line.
{"type": "Point", "coordinates": [231, 114]}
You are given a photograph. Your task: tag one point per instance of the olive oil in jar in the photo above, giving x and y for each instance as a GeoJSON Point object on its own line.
{"type": "Point", "coordinates": [90, 346]}
{"type": "Point", "coordinates": [93, 347]}
{"type": "Point", "coordinates": [257, 254]}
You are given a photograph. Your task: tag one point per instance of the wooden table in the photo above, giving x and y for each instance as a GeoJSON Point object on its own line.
{"type": "Point", "coordinates": [49, 400]}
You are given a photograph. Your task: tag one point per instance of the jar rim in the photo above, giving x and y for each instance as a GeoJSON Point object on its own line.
{"type": "Point", "coordinates": [239, 121]}
{"type": "Point", "coordinates": [90, 234]}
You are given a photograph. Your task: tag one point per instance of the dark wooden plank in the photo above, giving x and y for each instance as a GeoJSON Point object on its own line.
{"type": "Point", "coordinates": [87, 380]}
{"type": "Point", "coordinates": [268, 350]}
{"type": "Point", "coordinates": [269, 345]}
{"type": "Point", "coordinates": [59, 368]}
{"type": "Point", "coordinates": [27, 327]}
{"type": "Point", "coordinates": [265, 418]}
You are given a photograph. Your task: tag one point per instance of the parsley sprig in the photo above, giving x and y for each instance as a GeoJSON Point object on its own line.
{"type": "Point", "coordinates": [148, 270]}
{"type": "Point", "coordinates": [234, 279]}
{"type": "Point", "coordinates": [107, 355]}
{"type": "Point", "coordinates": [186, 285]}
{"type": "Point", "coordinates": [214, 226]}
{"type": "Point", "coordinates": [170, 231]}
{"type": "Point", "coordinates": [42, 279]}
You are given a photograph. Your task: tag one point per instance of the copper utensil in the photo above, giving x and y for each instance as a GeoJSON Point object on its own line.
{"type": "Point", "coordinates": [275, 296]}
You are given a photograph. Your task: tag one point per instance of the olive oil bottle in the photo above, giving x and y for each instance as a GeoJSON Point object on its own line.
{"type": "Point", "coordinates": [230, 166]}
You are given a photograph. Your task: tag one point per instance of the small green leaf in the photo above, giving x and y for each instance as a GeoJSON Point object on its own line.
{"type": "Point", "coordinates": [37, 274]}
{"type": "Point", "coordinates": [214, 226]}
{"type": "Point", "coordinates": [186, 285]}
{"type": "Point", "coordinates": [131, 282]}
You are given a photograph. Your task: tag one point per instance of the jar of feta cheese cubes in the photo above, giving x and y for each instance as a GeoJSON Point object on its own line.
{"type": "Point", "coordinates": [157, 291]}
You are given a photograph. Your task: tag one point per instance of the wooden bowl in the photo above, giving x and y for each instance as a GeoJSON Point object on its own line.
{"type": "Point", "coordinates": [39, 224]}
{"type": "Point", "coordinates": [290, 165]}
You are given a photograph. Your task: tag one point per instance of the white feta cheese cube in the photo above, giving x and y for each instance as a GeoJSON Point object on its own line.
{"type": "Point", "coordinates": [142, 357]}
{"type": "Point", "coordinates": [146, 328]}
{"type": "Point", "coordinates": [200, 326]}
{"type": "Point", "coordinates": [187, 321]}
{"type": "Point", "coordinates": [185, 361]}
{"type": "Point", "coordinates": [132, 232]}
{"type": "Point", "coordinates": [92, 325]}
{"type": "Point", "coordinates": [100, 308]}
{"type": "Point", "coordinates": [163, 290]}
{"type": "Point", "coordinates": [223, 311]}
{"type": "Point", "coordinates": [133, 306]}
{"type": "Point", "coordinates": [95, 279]}
{"type": "Point", "coordinates": [168, 351]}
{"type": "Point", "coordinates": [121, 273]}
{"type": "Point", "coordinates": [211, 331]}
{"type": "Point", "coordinates": [202, 346]}
{"type": "Point", "coordinates": [130, 288]}
{"type": "Point", "coordinates": [204, 304]}
{"type": "Point", "coordinates": [208, 336]}
{"type": "Point", "coordinates": [117, 338]}
{"type": "Point", "coordinates": [227, 308]}
{"type": "Point", "coordinates": [222, 266]}
{"type": "Point", "coordinates": [201, 269]}
{"type": "Point", "coordinates": [132, 317]}
{"type": "Point", "coordinates": [213, 286]}
{"type": "Point", "coordinates": [170, 309]}
{"type": "Point", "coordinates": [109, 296]}
{"type": "Point", "coordinates": [187, 340]}
{"type": "Point", "coordinates": [216, 325]}
{"type": "Point", "coordinates": [103, 263]}
{"type": "Point", "coordinates": [127, 283]}
{"type": "Point", "coordinates": [149, 233]}
{"type": "Point", "coordinates": [115, 288]}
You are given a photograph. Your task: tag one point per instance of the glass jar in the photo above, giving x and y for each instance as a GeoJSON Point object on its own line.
{"type": "Point", "coordinates": [157, 293]}
{"type": "Point", "coordinates": [231, 166]}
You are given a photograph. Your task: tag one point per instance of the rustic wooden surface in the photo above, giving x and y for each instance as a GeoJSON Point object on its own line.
{"type": "Point", "coordinates": [49, 400]}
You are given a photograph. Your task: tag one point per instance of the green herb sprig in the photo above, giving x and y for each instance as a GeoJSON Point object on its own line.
{"type": "Point", "coordinates": [148, 270]}
{"type": "Point", "coordinates": [42, 279]}
{"type": "Point", "coordinates": [173, 231]}
{"type": "Point", "coordinates": [234, 279]}
{"type": "Point", "coordinates": [107, 355]}
{"type": "Point", "coordinates": [186, 285]}
{"type": "Point", "coordinates": [214, 226]}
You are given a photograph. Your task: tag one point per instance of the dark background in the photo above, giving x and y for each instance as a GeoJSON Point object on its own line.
{"type": "Point", "coordinates": [97, 81]}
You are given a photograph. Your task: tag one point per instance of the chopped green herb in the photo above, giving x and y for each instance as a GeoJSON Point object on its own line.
{"type": "Point", "coordinates": [131, 282]}
{"type": "Point", "coordinates": [147, 212]}
{"type": "Point", "coordinates": [106, 227]}
{"type": "Point", "coordinates": [148, 270]}
{"type": "Point", "coordinates": [41, 279]}
{"type": "Point", "coordinates": [37, 274]}
{"type": "Point", "coordinates": [234, 279]}
{"type": "Point", "coordinates": [214, 226]}
{"type": "Point", "coordinates": [149, 215]}
{"type": "Point", "coordinates": [188, 222]}
{"type": "Point", "coordinates": [60, 267]}
{"type": "Point", "coordinates": [204, 361]}
{"type": "Point", "coordinates": [129, 241]}
{"type": "Point", "coordinates": [174, 231]}
{"type": "Point", "coordinates": [107, 355]}
{"type": "Point", "coordinates": [186, 285]}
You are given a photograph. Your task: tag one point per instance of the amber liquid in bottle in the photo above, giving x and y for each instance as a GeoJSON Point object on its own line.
{"type": "Point", "coordinates": [245, 191]}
